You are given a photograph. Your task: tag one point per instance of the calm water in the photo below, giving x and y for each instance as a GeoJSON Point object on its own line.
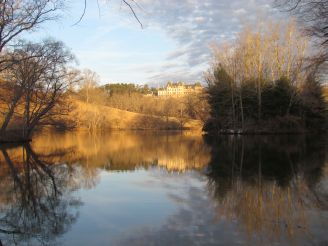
{"type": "Point", "coordinates": [155, 188]}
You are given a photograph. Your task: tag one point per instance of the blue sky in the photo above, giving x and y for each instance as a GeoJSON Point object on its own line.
{"type": "Point", "coordinates": [173, 45]}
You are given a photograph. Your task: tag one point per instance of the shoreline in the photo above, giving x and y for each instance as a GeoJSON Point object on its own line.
{"type": "Point", "coordinates": [19, 140]}
{"type": "Point", "coordinates": [15, 141]}
{"type": "Point", "coordinates": [262, 132]}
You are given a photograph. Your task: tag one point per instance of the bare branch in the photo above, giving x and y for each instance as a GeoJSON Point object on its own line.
{"type": "Point", "coordinates": [122, 1]}
{"type": "Point", "coordinates": [83, 13]}
{"type": "Point", "coordinates": [134, 13]}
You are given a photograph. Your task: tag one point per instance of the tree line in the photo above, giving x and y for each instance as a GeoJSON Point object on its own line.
{"type": "Point", "coordinates": [266, 81]}
{"type": "Point", "coordinates": [127, 88]}
{"type": "Point", "coordinates": [138, 99]}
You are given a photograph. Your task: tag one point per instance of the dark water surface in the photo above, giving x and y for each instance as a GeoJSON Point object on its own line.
{"type": "Point", "coordinates": [158, 188]}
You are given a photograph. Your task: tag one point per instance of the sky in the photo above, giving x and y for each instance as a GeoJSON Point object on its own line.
{"type": "Point", "coordinates": [173, 45]}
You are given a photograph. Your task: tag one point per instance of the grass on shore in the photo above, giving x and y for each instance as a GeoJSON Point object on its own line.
{"type": "Point", "coordinates": [94, 116]}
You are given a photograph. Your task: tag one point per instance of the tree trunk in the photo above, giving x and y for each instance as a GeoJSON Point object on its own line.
{"type": "Point", "coordinates": [36, 120]}
{"type": "Point", "coordinates": [259, 97]}
{"type": "Point", "coordinates": [7, 120]}
{"type": "Point", "coordinates": [9, 114]}
{"type": "Point", "coordinates": [233, 107]}
{"type": "Point", "coordinates": [241, 109]}
{"type": "Point", "coordinates": [26, 125]}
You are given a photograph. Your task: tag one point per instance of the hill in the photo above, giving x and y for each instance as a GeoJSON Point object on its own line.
{"type": "Point", "coordinates": [92, 116]}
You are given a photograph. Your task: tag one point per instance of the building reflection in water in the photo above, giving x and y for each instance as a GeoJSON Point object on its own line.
{"type": "Point", "coordinates": [124, 151]}
{"type": "Point", "coordinates": [255, 188]}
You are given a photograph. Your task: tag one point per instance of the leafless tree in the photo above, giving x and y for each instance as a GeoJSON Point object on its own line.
{"type": "Point", "coordinates": [88, 84]}
{"type": "Point", "coordinates": [168, 108]}
{"type": "Point", "coordinates": [314, 15]}
{"type": "Point", "coordinates": [131, 4]}
{"type": "Point", "coordinates": [19, 16]}
{"type": "Point", "coordinates": [39, 80]}
{"type": "Point", "coordinates": [197, 106]}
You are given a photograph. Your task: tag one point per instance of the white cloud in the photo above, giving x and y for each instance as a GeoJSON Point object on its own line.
{"type": "Point", "coordinates": [240, 11]}
{"type": "Point", "coordinates": [174, 44]}
{"type": "Point", "coordinates": [193, 24]}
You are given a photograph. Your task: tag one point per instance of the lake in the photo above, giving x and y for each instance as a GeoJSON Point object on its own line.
{"type": "Point", "coordinates": [164, 188]}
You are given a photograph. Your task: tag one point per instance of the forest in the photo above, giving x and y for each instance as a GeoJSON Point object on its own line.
{"type": "Point", "coordinates": [269, 80]}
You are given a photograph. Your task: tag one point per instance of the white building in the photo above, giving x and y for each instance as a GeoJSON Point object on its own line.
{"type": "Point", "coordinates": [179, 89]}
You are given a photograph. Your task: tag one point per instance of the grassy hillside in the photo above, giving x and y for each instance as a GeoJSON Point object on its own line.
{"type": "Point", "coordinates": [94, 117]}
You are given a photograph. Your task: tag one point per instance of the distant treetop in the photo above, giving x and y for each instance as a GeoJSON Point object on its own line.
{"type": "Point", "coordinates": [126, 88]}
{"type": "Point", "coordinates": [180, 83]}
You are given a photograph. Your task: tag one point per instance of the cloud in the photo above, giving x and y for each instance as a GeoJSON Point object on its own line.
{"type": "Point", "coordinates": [179, 73]}
{"type": "Point", "coordinates": [173, 46]}
{"type": "Point", "coordinates": [194, 24]}
{"type": "Point", "coordinates": [195, 221]}
{"type": "Point", "coordinates": [239, 11]}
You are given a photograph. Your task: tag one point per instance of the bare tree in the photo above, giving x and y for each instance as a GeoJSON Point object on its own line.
{"type": "Point", "coordinates": [39, 79]}
{"type": "Point", "coordinates": [180, 113]}
{"type": "Point", "coordinates": [314, 15]}
{"type": "Point", "coordinates": [168, 108]}
{"type": "Point", "coordinates": [17, 17]}
{"type": "Point", "coordinates": [89, 83]}
{"type": "Point", "coordinates": [197, 106]}
{"type": "Point", "coordinates": [131, 4]}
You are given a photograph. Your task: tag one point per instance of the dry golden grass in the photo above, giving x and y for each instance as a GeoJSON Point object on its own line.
{"type": "Point", "coordinates": [95, 116]}
{"type": "Point", "coordinates": [325, 92]}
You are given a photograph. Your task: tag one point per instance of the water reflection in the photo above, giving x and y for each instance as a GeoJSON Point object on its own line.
{"type": "Point", "coordinates": [155, 188]}
{"type": "Point", "coordinates": [124, 151]}
{"type": "Point", "coordinates": [271, 186]}
{"type": "Point", "coordinates": [36, 202]}
{"type": "Point", "coordinates": [260, 191]}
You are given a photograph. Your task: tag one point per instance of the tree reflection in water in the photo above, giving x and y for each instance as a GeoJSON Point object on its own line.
{"type": "Point", "coordinates": [260, 191]}
{"type": "Point", "coordinates": [128, 151]}
{"type": "Point", "coordinates": [269, 184]}
{"type": "Point", "coordinates": [232, 190]}
{"type": "Point", "coordinates": [37, 204]}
